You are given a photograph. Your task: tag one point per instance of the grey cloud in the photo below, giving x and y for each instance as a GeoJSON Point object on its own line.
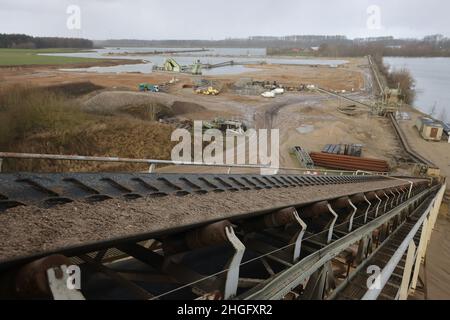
{"type": "Point", "coordinates": [212, 19]}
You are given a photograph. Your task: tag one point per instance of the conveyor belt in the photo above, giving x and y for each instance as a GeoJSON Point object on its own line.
{"type": "Point", "coordinates": [404, 142]}
{"type": "Point", "coordinates": [46, 190]}
{"type": "Point", "coordinates": [272, 237]}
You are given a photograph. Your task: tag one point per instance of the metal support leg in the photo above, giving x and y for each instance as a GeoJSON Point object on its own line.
{"type": "Point", "coordinates": [378, 205]}
{"type": "Point", "coordinates": [298, 238]}
{"type": "Point", "coordinates": [393, 198]}
{"type": "Point", "coordinates": [420, 254]}
{"type": "Point", "coordinates": [404, 287]}
{"type": "Point", "coordinates": [435, 210]}
{"type": "Point", "coordinates": [387, 201]}
{"type": "Point", "coordinates": [1, 163]}
{"type": "Point", "coordinates": [335, 217]}
{"type": "Point", "coordinates": [320, 283]}
{"type": "Point", "coordinates": [350, 224]}
{"type": "Point", "coordinates": [152, 168]}
{"type": "Point", "coordinates": [384, 232]}
{"type": "Point", "coordinates": [362, 250]}
{"type": "Point", "coordinates": [398, 198]}
{"type": "Point", "coordinates": [59, 285]}
{"type": "Point", "coordinates": [404, 196]}
{"type": "Point", "coordinates": [232, 276]}
{"type": "Point", "coordinates": [368, 208]}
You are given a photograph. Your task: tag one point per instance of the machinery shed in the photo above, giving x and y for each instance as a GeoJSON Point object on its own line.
{"type": "Point", "coordinates": [430, 129]}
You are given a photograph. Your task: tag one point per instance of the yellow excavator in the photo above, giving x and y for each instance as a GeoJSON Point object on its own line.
{"type": "Point", "coordinates": [210, 91]}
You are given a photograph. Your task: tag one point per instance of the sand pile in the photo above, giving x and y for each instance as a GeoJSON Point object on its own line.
{"type": "Point", "coordinates": [148, 105]}
{"type": "Point", "coordinates": [110, 102]}
{"type": "Point", "coordinates": [183, 107]}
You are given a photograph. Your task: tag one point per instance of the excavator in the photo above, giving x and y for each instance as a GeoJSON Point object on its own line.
{"type": "Point", "coordinates": [210, 91]}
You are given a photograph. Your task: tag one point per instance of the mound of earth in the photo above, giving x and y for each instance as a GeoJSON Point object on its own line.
{"type": "Point", "coordinates": [150, 106]}
{"type": "Point", "coordinates": [183, 107]}
{"type": "Point", "coordinates": [75, 89]}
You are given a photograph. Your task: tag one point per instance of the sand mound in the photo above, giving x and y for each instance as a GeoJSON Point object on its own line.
{"type": "Point", "coordinates": [150, 106]}
{"type": "Point", "coordinates": [183, 107]}
{"type": "Point", "coordinates": [110, 101]}
{"type": "Point", "coordinates": [146, 105]}
{"type": "Point", "coordinates": [75, 89]}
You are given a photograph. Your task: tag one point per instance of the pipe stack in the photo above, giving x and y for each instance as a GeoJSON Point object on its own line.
{"type": "Point", "coordinates": [342, 162]}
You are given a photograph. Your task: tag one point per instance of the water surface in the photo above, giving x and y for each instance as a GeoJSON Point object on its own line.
{"type": "Point", "coordinates": [212, 56]}
{"type": "Point", "coordinates": [432, 76]}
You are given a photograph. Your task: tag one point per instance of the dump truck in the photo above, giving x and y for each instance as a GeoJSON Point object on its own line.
{"type": "Point", "coordinates": [268, 94]}
{"type": "Point", "coordinates": [148, 87]}
{"type": "Point", "coordinates": [224, 125]}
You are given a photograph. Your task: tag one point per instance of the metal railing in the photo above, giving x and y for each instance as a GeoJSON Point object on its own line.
{"type": "Point", "coordinates": [153, 163]}
{"type": "Point", "coordinates": [414, 253]}
{"type": "Point", "coordinates": [278, 286]}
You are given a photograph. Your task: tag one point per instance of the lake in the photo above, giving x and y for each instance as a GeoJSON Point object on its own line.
{"type": "Point", "coordinates": [432, 76]}
{"type": "Point", "coordinates": [212, 56]}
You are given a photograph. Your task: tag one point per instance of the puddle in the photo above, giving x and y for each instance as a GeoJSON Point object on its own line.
{"type": "Point", "coordinates": [305, 129]}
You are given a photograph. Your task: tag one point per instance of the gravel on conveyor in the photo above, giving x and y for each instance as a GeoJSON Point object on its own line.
{"type": "Point", "coordinates": [31, 230]}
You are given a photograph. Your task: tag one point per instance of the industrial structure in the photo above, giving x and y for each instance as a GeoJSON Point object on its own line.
{"type": "Point", "coordinates": [430, 129]}
{"type": "Point", "coordinates": [171, 65]}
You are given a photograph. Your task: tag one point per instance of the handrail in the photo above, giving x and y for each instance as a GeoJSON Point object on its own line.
{"type": "Point", "coordinates": [417, 157]}
{"type": "Point", "coordinates": [386, 273]}
{"type": "Point", "coordinates": [154, 162]}
{"type": "Point", "coordinates": [12, 155]}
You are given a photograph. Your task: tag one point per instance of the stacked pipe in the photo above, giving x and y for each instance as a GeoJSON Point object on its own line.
{"type": "Point", "coordinates": [343, 162]}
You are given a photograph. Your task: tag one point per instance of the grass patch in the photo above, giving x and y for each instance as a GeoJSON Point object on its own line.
{"type": "Point", "coordinates": [25, 111]}
{"type": "Point", "coordinates": [21, 57]}
{"type": "Point", "coordinates": [52, 121]}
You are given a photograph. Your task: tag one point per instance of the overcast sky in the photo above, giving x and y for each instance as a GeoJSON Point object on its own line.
{"type": "Point", "coordinates": [214, 19]}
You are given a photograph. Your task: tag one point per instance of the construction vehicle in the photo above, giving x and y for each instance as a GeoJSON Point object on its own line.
{"type": "Point", "coordinates": [148, 87]}
{"type": "Point", "coordinates": [303, 157]}
{"type": "Point", "coordinates": [227, 126]}
{"type": "Point", "coordinates": [268, 94]}
{"type": "Point", "coordinates": [278, 90]}
{"type": "Point", "coordinates": [210, 91]}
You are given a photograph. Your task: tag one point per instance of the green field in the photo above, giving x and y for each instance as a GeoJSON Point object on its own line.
{"type": "Point", "coordinates": [19, 57]}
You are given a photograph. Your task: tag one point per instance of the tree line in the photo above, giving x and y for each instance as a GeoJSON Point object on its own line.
{"type": "Point", "coordinates": [401, 79]}
{"type": "Point", "coordinates": [23, 41]}
{"type": "Point", "coordinates": [411, 49]}
{"type": "Point", "coordinates": [430, 46]}
{"type": "Point", "coordinates": [250, 42]}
